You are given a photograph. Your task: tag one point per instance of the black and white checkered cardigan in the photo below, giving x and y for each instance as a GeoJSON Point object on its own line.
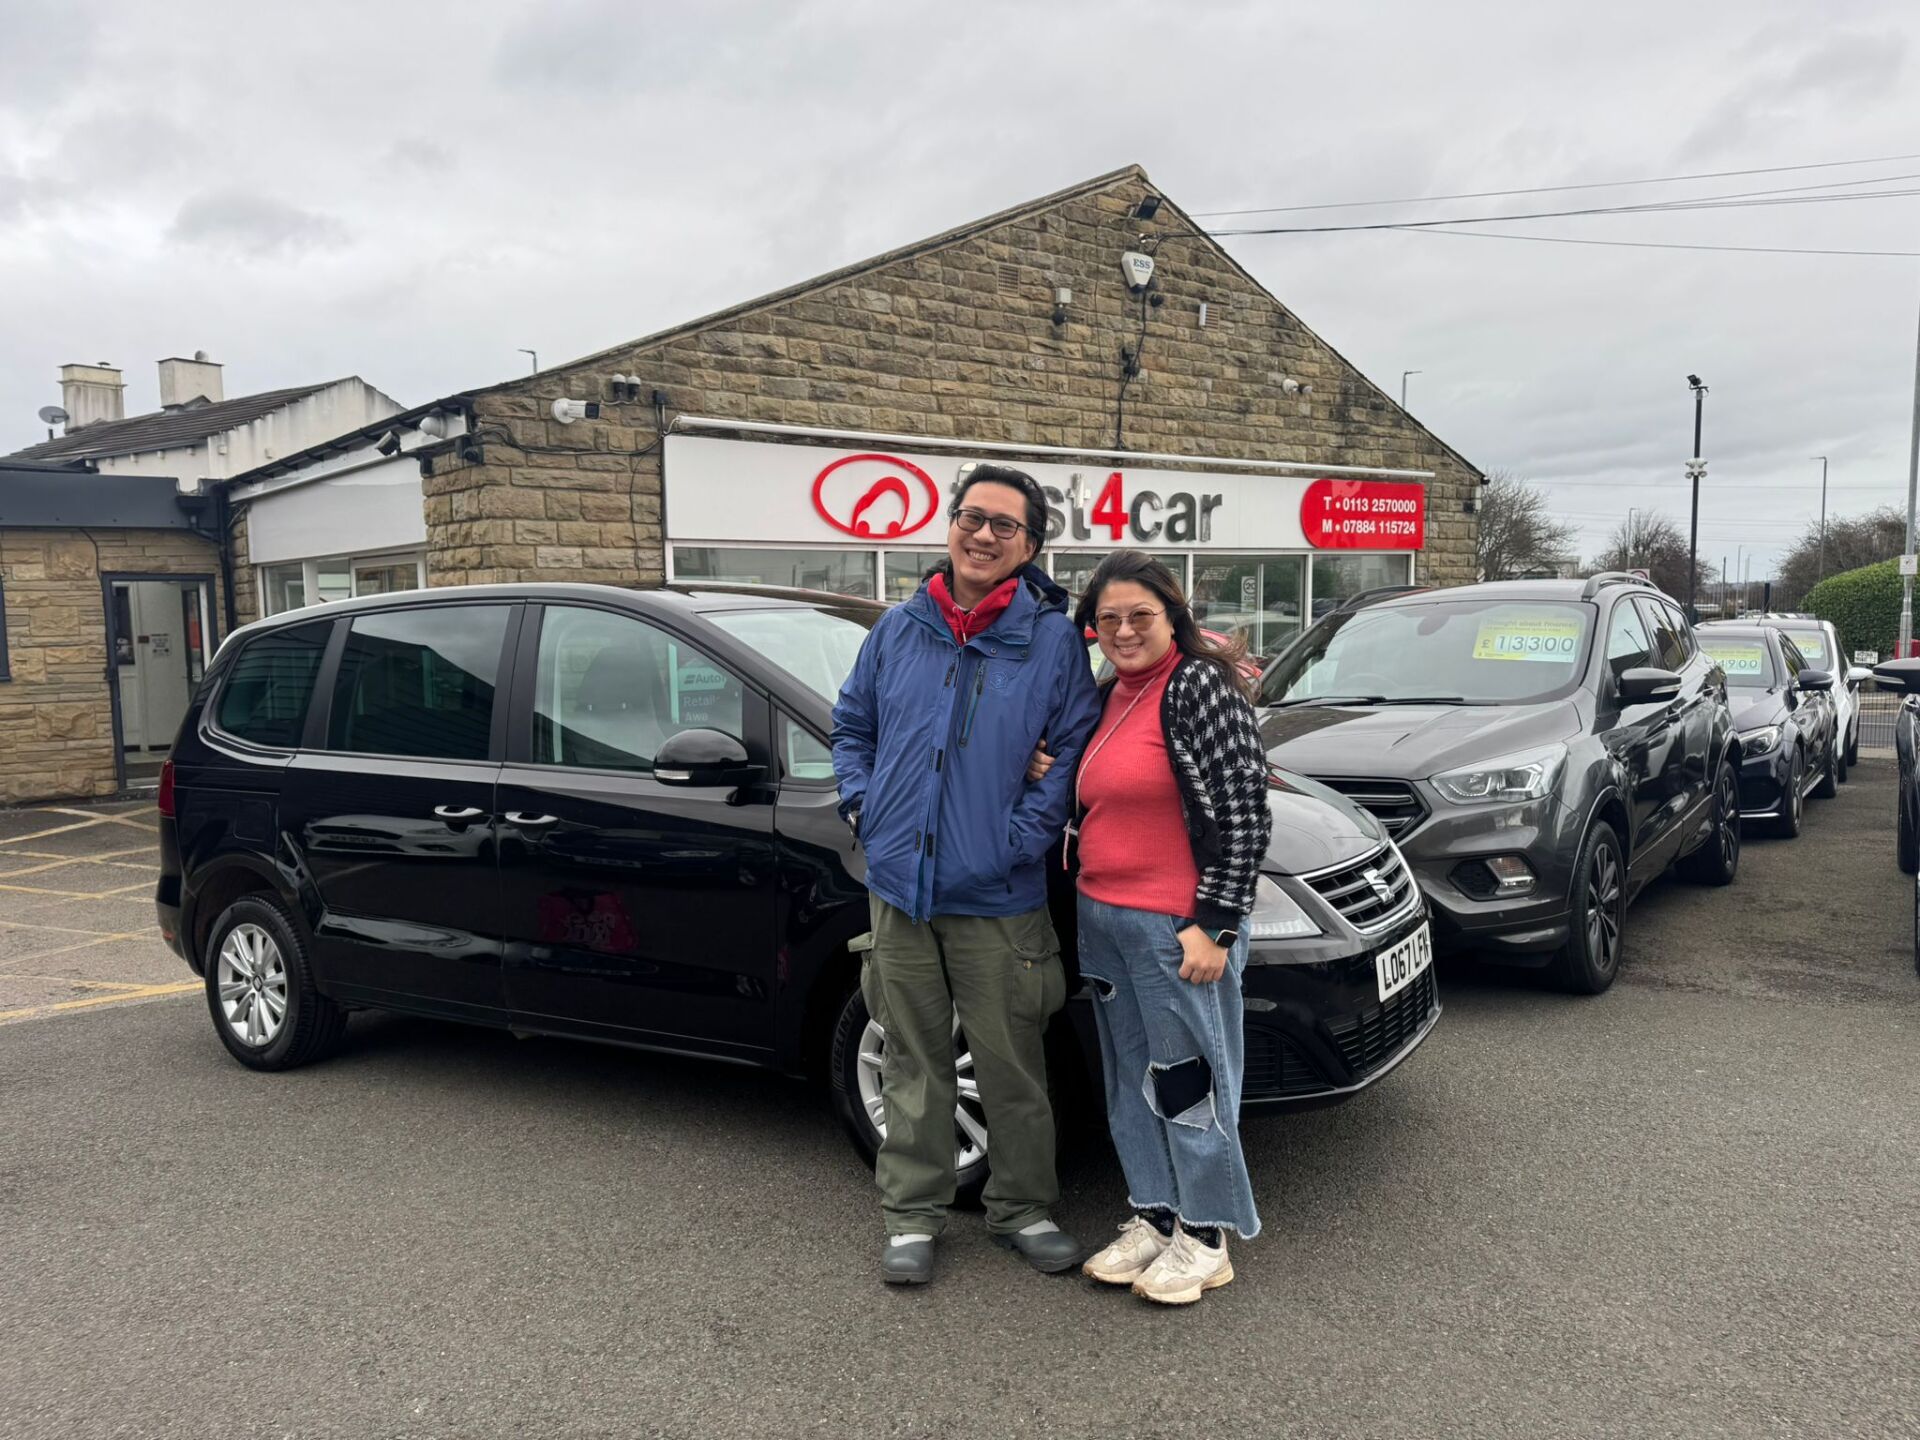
{"type": "Point", "coordinates": [1220, 767]}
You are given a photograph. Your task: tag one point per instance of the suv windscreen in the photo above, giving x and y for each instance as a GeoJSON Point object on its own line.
{"type": "Point", "coordinates": [1811, 642]}
{"type": "Point", "coordinates": [816, 647]}
{"type": "Point", "coordinates": [1744, 658]}
{"type": "Point", "coordinates": [1466, 651]}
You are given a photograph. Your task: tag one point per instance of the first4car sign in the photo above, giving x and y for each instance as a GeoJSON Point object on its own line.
{"type": "Point", "coordinates": [746, 491]}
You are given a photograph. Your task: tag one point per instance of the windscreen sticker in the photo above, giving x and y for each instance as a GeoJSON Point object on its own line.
{"type": "Point", "coordinates": [1750, 659]}
{"type": "Point", "coordinates": [1812, 646]}
{"type": "Point", "coordinates": [1550, 638]}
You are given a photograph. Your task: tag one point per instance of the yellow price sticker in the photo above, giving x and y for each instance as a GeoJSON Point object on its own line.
{"type": "Point", "coordinates": [1738, 659]}
{"type": "Point", "coordinates": [1552, 639]}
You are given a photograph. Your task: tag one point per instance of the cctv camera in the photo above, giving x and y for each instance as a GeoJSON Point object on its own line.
{"type": "Point", "coordinates": [1694, 381]}
{"type": "Point", "coordinates": [568, 411]}
{"type": "Point", "coordinates": [389, 443]}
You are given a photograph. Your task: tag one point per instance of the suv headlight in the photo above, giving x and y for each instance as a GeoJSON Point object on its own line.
{"type": "Point", "coordinates": [1530, 775]}
{"type": "Point", "coordinates": [1761, 740]}
{"type": "Point", "coordinates": [1276, 915]}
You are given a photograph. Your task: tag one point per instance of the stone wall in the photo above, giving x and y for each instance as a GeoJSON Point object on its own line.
{"type": "Point", "coordinates": [950, 338]}
{"type": "Point", "coordinates": [56, 717]}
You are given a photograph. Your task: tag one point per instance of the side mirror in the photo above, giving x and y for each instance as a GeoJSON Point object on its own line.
{"type": "Point", "coordinates": [1816, 679]}
{"type": "Point", "coordinates": [1644, 684]}
{"type": "Point", "coordinates": [1899, 675]}
{"type": "Point", "coordinates": [1856, 675]}
{"type": "Point", "coordinates": [705, 759]}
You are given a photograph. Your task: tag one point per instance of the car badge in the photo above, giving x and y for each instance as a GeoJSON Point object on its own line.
{"type": "Point", "coordinates": [1380, 887]}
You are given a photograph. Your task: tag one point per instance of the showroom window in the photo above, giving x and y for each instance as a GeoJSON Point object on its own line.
{"type": "Point", "coordinates": [1340, 577]}
{"type": "Point", "coordinates": [337, 577]}
{"type": "Point", "coordinates": [905, 569]}
{"type": "Point", "coordinates": [845, 572]}
{"type": "Point", "coordinates": [1256, 598]}
{"type": "Point", "coordinates": [419, 682]}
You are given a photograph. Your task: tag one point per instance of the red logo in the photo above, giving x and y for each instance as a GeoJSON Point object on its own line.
{"type": "Point", "coordinates": [1364, 515]}
{"type": "Point", "coordinates": [875, 497]}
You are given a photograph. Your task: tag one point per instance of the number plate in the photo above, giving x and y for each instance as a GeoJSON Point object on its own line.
{"type": "Point", "coordinates": [1398, 965]}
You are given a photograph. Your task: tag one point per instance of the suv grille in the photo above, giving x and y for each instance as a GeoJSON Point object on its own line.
{"type": "Point", "coordinates": [1370, 893]}
{"type": "Point", "coordinates": [1394, 803]}
{"type": "Point", "coordinates": [1371, 1038]}
{"type": "Point", "coordinates": [1275, 1067]}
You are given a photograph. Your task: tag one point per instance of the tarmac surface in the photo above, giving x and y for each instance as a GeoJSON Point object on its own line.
{"type": "Point", "coordinates": [1688, 1207]}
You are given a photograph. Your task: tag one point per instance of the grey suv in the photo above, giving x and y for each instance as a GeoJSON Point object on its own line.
{"type": "Point", "coordinates": [1539, 750]}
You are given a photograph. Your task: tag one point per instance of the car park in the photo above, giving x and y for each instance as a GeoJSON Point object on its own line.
{"type": "Point", "coordinates": [1539, 749]}
{"type": "Point", "coordinates": [611, 815]}
{"type": "Point", "coordinates": [1784, 717]}
{"type": "Point", "coordinates": [1819, 643]}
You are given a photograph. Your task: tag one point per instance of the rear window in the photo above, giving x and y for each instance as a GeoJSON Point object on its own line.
{"type": "Point", "coordinates": [264, 701]}
{"type": "Point", "coordinates": [1744, 658]}
{"type": "Point", "coordinates": [1810, 641]}
{"type": "Point", "coordinates": [419, 682]}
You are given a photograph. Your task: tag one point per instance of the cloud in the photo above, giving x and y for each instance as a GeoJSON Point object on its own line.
{"type": "Point", "coordinates": [253, 227]}
{"type": "Point", "coordinates": [1847, 69]}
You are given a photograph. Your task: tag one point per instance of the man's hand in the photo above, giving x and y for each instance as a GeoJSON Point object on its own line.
{"type": "Point", "coordinates": [1041, 762]}
{"type": "Point", "coordinates": [1205, 961]}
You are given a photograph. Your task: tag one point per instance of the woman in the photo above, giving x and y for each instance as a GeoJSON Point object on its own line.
{"type": "Point", "coordinates": [1171, 825]}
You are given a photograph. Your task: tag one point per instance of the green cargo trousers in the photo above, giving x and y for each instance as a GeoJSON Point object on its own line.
{"type": "Point", "coordinates": [1002, 976]}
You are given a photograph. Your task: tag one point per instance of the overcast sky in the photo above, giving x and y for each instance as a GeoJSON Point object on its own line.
{"type": "Point", "coordinates": [409, 193]}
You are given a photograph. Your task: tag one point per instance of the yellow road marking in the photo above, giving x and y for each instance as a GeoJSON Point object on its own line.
{"type": "Point", "coordinates": [78, 894]}
{"type": "Point", "coordinates": [120, 997]}
{"type": "Point", "coordinates": [87, 944]}
{"type": "Point", "coordinates": [115, 858]}
{"type": "Point", "coordinates": [57, 830]}
{"type": "Point", "coordinates": [76, 980]}
{"type": "Point", "coordinates": [102, 819]}
{"type": "Point", "coordinates": [70, 930]}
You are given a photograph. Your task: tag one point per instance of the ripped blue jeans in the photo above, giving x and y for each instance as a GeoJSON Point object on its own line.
{"type": "Point", "coordinates": [1174, 1055]}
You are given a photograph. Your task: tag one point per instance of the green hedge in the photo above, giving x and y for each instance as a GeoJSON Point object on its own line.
{"type": "Point", "coordinates": [1864, 606]}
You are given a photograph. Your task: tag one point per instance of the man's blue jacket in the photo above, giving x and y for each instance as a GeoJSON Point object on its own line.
{"type": "Point", "coordinates": [931, 742]}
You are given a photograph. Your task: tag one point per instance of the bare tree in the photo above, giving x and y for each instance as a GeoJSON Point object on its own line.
{"type": "Point", "coordinates": [1852, 542]}
{"type": "Point", "coordinates": [1655, 544]}
{"type": "Point", "coordinates": [1518, 534]}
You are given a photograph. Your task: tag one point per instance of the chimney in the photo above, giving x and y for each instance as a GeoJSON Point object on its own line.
{"type": "Point", "coordinates": [182, 382]}
{"type": "Point", "coordinates": [91, 393]}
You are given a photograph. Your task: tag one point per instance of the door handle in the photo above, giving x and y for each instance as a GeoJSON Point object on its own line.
{"type": "Point", "coordinates": [457, 815]}
{"type": "Point", "coordinates": [531, 822]}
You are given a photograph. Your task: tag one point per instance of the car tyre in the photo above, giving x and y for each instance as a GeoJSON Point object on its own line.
{"type": "Point", "coordinates": [1589, 961]}
{"type": "Point", "coordinates": [1842, 762]}
{"type": "Point", "coordinates": [1717, 861]}
{"type": "Point", "coordinates": [1853, 743]}
{"type": "Point", "coordinates": [260, 989]}
{"type": "Point", "coordinates": [854, 1077]}
{"type": "Point", "coordinates": [1829, 785]}
{"type": "Point", "coordinates": [1793, 802]}
{"type": "Point", "coordinates": [1907, 847]}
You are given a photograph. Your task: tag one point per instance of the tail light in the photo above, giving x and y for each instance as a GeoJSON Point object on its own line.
{"type": "Point", "coordinates": [166, 789]}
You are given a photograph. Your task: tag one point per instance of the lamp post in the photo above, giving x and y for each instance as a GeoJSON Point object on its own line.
{"type": "Point", "coordinates": [1632, 531]}
{"type": "Point", "coordinates": [1823, 517]}
{"type": "Point", "coordinates": [1403, 385]}
{"type": "Point", "coordinates": [1905, 645]}
{"type": "Point", "coordinates": [1696, 467]}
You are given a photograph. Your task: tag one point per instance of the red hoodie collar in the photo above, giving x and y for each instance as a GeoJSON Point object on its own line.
{"type": "Point", "coordinates": [965, 624]}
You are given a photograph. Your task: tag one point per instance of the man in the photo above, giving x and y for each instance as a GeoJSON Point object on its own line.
{"type": "Point", "coordinates": [932, 733]}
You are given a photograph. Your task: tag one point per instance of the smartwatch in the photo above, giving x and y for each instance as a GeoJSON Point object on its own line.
{"type": "Point", "coordinates": [1223, 938]}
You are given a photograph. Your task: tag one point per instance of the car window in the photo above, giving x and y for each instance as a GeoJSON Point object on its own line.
{"type": "Point", "coordinates": [815, 646]}
{"type": "Point", "coordinates": [803, 755]}
{"type": "Point", "coordinates": [1678, 619]}
{"type": "Point", "coordinates": [419, 682]}
{"type": "Point", "coordinates": [1794, 660]}
{"type": "Point", "coordinates": [1627, 645]}
{"type": "Point", "coordinates": [1668, 650]}
{"type": "Point", "coordinates": [610, 690]}
{"type": "Point", "coordinates": [1744, 659]}
{"type": "Point", "coordinates": [1810, 642]}
{"type": "Point", "coordinates": [265, 697]}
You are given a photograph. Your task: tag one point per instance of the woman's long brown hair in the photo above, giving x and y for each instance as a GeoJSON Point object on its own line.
{"type": "Point", "coordinates": [1140, 568]}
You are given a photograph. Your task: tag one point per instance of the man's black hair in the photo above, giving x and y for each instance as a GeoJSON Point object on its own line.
{"type": "Point", "coordinates": [1014, 479]}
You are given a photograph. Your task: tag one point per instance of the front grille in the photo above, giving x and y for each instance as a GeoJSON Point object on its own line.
{"type": "Point", "coordinates": [1395, 803]}
{"type": "Point", "coordinates": [1275, 1067]}
{"type": "Point", "coordinates": [1371, 893]}
{"type": "Point", "coordinates": [1371, 1038]}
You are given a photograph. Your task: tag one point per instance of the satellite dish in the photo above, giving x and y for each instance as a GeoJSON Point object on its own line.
{"type": "Point", "coordinates": [53, 415]}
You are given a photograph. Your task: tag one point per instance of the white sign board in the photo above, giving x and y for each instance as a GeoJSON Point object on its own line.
{"type": "Point", "coordinates": [759, 492]}
{"type": "Point", "coordinates": [1908, 565]}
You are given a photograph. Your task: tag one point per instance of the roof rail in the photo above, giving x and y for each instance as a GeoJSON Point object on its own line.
{"type": "Point", "coordinates": [1379, 592]}
{"type": "Point", "coordinates": [1612, 577]}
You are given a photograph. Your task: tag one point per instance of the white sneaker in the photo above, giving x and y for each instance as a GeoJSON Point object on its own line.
{"type": "Point", "coordinates": [1185, 1271]}
{"type": "Point", "coordinates": [1127, 1259]}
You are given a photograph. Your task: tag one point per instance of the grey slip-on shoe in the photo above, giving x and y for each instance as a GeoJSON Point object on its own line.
{"type": "Point", "coordinates": [1049, 1253]}
{"type": "Point", "coordinates": [910, 1264]}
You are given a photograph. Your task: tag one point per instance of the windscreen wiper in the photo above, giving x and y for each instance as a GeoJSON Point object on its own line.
{"type": "Point", "coordinates": [1331, 700]}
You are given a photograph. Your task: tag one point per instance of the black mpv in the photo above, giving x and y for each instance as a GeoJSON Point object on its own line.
{"type": "Point", "coordinates": [1540, 749]}
{"type": "Point", "coordinates": [610, 814]}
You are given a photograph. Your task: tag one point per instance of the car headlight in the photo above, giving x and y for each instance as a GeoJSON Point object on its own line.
{"type": "Point", "coordinates": [1761, 740]}
{"type": "Point", "coordinates": [1526, 776]}
{"type": "Point", "coordinates": [1276, 916]}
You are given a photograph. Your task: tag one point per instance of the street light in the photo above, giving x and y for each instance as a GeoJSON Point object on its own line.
{"type": "Point", "coordinates": [1696, 467]}
{"type": "Point", "coordinates": [1823, 515]}
{"type": "Point", "coordinates": [1403, 385]}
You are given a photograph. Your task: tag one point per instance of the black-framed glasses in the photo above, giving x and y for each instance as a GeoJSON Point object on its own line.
{"type": "Point", "coordinates": [1107, 622]}
{"type": "Point", "coordinates": [1004, 527]}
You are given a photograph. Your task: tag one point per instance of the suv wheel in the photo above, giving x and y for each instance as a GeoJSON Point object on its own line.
{"type": "Point", "coordinates": [1717, 861]}
{"type": "Point", "coordinates": [859, 1049]}
{"type": "Point", "coordinates": [1588, 962]}
{"type": "Point", "coordinates": [1793, 802]}
{"type": "Point", "coordinates": [1829, 785]}
{"type": "Point", "coordinates": [260, 989]}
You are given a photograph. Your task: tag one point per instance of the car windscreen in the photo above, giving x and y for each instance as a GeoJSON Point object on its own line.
{"type": "Point", "coordinates": [1464, 651]}
{"type": "Point", "coordinates": [1744, 658]}
{"type": "Point", "coordinates": [1811, 642]}
{"type": "Point", "coordinates": [816, 647]}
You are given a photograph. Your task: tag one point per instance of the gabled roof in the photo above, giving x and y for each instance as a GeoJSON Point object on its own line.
{"type": "Point", "coordinates": [167, 429]}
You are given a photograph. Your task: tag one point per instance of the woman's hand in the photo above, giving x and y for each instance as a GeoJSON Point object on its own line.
{"type": "Point", "coordinates": [1041, 762]}
{"type": "Point", "coordinates": [1205, 961]}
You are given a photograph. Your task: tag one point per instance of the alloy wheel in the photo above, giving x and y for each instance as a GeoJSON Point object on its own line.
{"type": "Point", "coordinates": [252, 977]}
{"type": "Point", "coordinates": [1603, 909]}
{"type": "Point", "coordinates": [969, 1119]}
{"type": "Point", "coordinates": [1729, 804]}
{"type": "Point", "coordinates": [1795, 798]}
